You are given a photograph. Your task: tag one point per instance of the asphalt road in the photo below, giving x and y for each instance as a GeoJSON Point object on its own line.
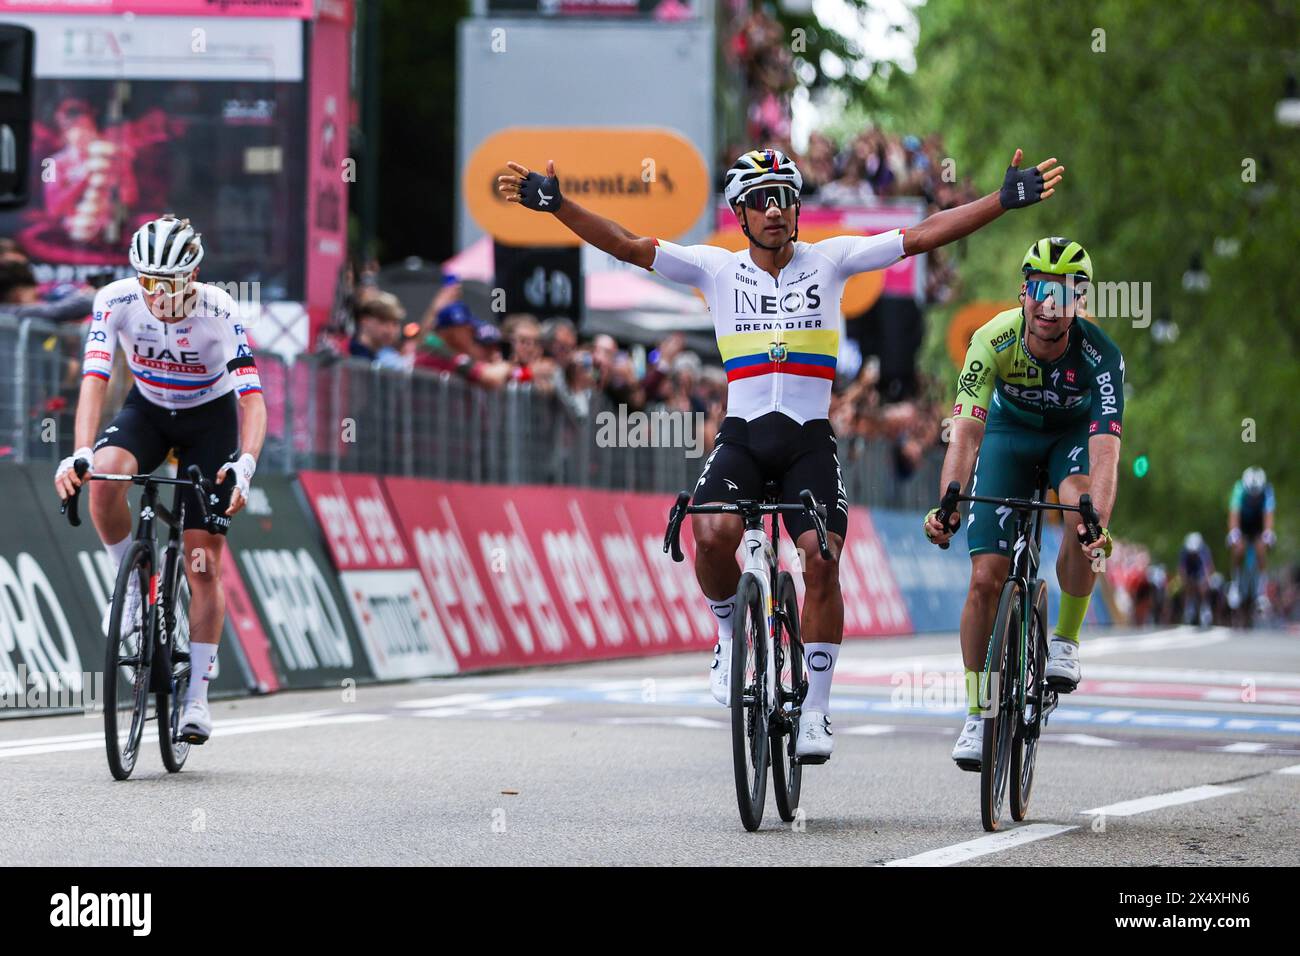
{"type": "Point", "coordinates": [1181, 747]}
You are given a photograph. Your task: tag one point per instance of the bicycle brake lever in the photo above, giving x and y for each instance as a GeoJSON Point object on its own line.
{"type": "Point", "coordinates": [947, 506]}
{"type": "Point", "coordinates": [69, 506]}
{"type": "Point", "coordinates": [1091, 520]}
{"type": "Point", "coordinates": [817, 513]}
{"type": "Point", "coordinates": [672, 537]}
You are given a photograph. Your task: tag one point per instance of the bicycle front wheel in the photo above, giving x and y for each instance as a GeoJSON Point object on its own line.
{"type": "Point", "coordinates": [1029, 728]}
{"type": "Point", "coordinates": [787, 772]}
{"type": "Point", "coordinates": [1000, 707]}
{"type": "Point", "coordinates": [126, 663]}
{"type": "Point", "coordinates": [168, 706]}
{"type": "Point", "coordinates": [749, 710]}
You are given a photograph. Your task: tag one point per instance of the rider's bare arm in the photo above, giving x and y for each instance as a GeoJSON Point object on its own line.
{"type": "Point", "coordinates": [252, 423]}
{"type": "Point", "coordinates": [1103, 471]}
{"type": "Point", "coordinates": [90, 404]}
{"type": "Point", "coordinates": [949, 225]}
{"type": "Point", "coordinates": [607, 235]}
{"type": "Point", "coordinates": [964, 446]}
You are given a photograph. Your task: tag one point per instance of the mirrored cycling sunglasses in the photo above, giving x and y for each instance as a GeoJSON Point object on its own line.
{"type": "Point", "coordinates": [760, 197]}
{"type": "Point", "coordinates": [1060, 292]}
{"type": "Point", "coordinates": [168, 284]}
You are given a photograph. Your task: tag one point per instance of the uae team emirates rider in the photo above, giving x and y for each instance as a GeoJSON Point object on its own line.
{"type": "Point", "coordinates": [196, 390]}
{"type": "Point", "coordinates": [776, 313]}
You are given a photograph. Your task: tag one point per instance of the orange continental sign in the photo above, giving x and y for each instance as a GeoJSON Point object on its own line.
{"type": "Point", "coordinates": [860, 292]}
{"type": "Point", "coordinates": [650, 181]}
{"type": "Point", "coordinates": [965, 322]}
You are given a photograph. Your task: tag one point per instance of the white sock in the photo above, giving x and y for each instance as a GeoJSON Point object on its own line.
{"type": "Point", "coordinates": [116, 552]}
{"type": "Point", "coordinates": [202, 658]}
{"type": "Point", "coordinates": [819, 666]}
{"type": "Point", "coordinates": [723, 612]}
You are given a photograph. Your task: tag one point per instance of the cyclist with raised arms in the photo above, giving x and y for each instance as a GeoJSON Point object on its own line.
{"type": "Point", "coordinates": [197, 391]}
{"type": "Point", "coordinates": [1041, 387]}
{"type": "Point", "coordinates": [776, 313]}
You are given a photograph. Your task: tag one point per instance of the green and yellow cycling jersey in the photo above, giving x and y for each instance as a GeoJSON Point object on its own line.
{"type": "Point", "coordinates": [1085, 384]}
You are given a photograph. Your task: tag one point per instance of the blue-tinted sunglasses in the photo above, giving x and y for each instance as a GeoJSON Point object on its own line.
{"type": "Point", "coordinates": [1061, 292]}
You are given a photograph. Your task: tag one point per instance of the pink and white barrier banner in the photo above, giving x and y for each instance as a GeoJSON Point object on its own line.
{"type": "Point", "coordinates": [523, 575]}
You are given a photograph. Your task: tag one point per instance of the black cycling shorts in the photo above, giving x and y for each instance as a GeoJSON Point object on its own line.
{"type": "Point", "coordinates": [774, 447]}
{"type": "Point", "coordinates": [206, 435]}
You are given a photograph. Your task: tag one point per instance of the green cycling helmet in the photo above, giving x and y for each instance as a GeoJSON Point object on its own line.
{"type": "Point", "coordinates": [1058, 256]}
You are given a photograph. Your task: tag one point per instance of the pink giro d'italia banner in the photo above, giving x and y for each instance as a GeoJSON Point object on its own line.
{"type": "Point", "coordinates": [521, 575]}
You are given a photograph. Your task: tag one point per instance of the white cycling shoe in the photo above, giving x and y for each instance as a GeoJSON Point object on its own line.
{"type": "Point", "coordinates": [720, 673]}
{"type": "Point", "coordinates": [815, 741]}
{"type": "Point", "coordinates": [131, 614]}
{"type": "Point", "coordinates": [969, 752]}
{"type": "Point", "coordinates": [196, 722]}
{"type": "Point", "coordinates": [1062, 670]}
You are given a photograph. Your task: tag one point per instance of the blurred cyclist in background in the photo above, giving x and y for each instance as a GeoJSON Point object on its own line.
{"type": "Point", "coordinates": [776, 314]}
{"type": "Point", "coordinates": [1196, 568]}
{"type": "Point", "coordinates": [1250, 525]}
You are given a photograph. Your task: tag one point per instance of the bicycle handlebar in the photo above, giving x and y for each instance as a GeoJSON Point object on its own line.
{"type": "Point", "coordinates": [681, 508]}
{"type": "Point", "coordinates": [953, 496]}
{"type": "Point", "coordinates": [194, 477]}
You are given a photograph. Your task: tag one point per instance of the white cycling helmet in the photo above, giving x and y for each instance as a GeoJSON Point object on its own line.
{"type": "Point", "coordinates": [760, 167]}
{"type": "Point", "coordinates": [1253, 479]}
{"type": "Point", "coordinates": [1193, 541]}
{"type": "Point", "coordinates": [166, 247]}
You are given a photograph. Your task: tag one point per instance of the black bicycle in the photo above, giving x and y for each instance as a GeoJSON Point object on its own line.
{"type": "Point", "coordinates": [1015, 697]}
{"type": "Point", "coordinates": [148, 655]}
{"type": "Point", "coordinates": [767, 680]}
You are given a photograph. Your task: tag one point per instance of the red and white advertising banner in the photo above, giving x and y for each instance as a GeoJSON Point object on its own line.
{"type": "Point", "coordinates": [522, 575]}
{"type": "Point", "coordinates": [395, 617]}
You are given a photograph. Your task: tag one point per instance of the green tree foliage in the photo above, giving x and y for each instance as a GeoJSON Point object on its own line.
{"type": "Point", "coordinates": [1163, 115]}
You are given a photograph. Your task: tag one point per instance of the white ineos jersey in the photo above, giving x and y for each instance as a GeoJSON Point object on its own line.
{"type": "Point", "coordinates": [779, 337]}
{"type": "Point", "coordinates": [178, 364]}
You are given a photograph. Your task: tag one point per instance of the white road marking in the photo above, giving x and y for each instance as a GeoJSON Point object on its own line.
{"type": "Point", "coordinates": [1127, 808]}
{"type": "Point", "coordinates": [1242, 747]}
{"type": "Point", "coordinates": [451, 700]}
{"type": "Point", "coordinates": [868, 730]}
{"type": "Point", "coordinates": [222, 728]}
{"type": "Point", "coordinates": [510, 703]}
{"type": "Point", "coordinates": [1085, 740]}
{"type": "Point", "coordinates": [1293, 770]}
{"type": "Point", "coordinates": [695, 723]}
{"type": "Point", "coordinates": [993, 843]}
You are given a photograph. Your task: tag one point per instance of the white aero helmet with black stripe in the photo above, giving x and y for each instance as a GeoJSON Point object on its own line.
{"type": "Point", "coordinates": [760, 167]}
{"type": "Point", "coordinates": [166, 247]}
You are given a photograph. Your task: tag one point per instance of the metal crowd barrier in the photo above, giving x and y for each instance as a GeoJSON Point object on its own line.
{"type": "Point", "coordinates": [334, 414]}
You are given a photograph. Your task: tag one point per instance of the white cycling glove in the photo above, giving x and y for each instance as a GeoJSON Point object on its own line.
{"type": "Point", "coordinates": [65, 466]}
{"type": "Point", "coordinates": [244, 468]}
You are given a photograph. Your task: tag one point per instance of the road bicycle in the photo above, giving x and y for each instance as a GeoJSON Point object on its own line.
{"type": "Point", "coordinates": [146, 652]}
{"type": "Point", "coordinates": [767, 680]}
{"type": "Point", "coordinates": [1015, 698]}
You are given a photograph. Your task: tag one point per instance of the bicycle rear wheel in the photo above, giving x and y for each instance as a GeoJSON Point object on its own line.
{"type": "Point", "coordinates": [787, 772]}
{"type": "Point", "coordinates": [168, 706]}
{"type": "Point", "coordinates": [749, 729]}
{"type": "Point", "coordinates": [1024, 748]}
{"type": "Point", "coordinates": [126, 665]}
{"type": "Point", "coordinates": [1000, 717]}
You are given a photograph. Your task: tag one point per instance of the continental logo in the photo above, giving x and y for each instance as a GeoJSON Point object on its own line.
{"type": "Point", "coordinates": [651, 181]}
